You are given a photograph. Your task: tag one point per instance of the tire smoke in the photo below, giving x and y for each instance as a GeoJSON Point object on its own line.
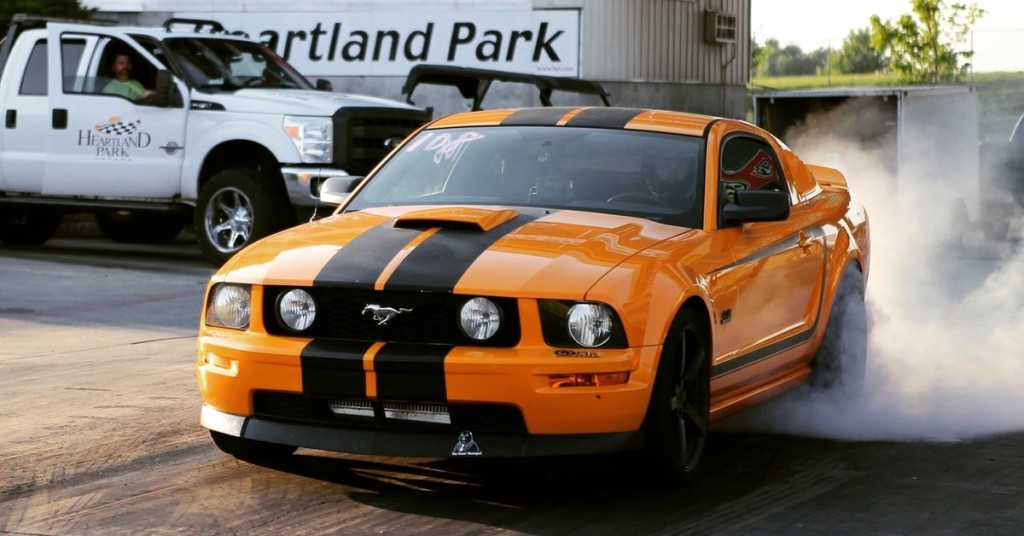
{"type": "Point", "coordinates": [946, 315]}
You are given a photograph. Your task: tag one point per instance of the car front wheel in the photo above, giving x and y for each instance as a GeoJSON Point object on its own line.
{"type": "Point", "coordinates": [678, 416]}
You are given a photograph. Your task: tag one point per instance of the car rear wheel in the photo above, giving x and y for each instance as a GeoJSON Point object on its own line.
{"type": "Point", "coordinates": [251, 449]}
{"type": "Point", "coordinates": [139, 227]}
{"type": "Point", "coordinates": [678, 416]}
{"type": "Point", "coordinates": [236, 208]}
{"type": "Point", "coordinates": [28, 226]}
{"type": "Point", "coordinates": [841, 360]}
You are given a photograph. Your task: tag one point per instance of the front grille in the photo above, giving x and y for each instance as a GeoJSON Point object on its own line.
{"type": "Point", "coordinates": [433, 317]}
{"type": "Point", "coordinates": [360, 134]}
{"type": "Point", "coordinates": [317, 410]}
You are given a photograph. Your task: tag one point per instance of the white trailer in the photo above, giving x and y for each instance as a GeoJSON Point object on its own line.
{"type": "Point", "coordinates": [924, 139]}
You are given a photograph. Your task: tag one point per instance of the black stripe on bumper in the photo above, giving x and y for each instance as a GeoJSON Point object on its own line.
{"type": "Point", "coordinates": [435, 444]}
{"type": "Point", "coordinates": [334, 368]}
{"type": "Point", "coordinates": [411, 372]}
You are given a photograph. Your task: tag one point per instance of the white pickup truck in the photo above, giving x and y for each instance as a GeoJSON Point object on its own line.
{"type": "Point", "coordinates": [229, 138]}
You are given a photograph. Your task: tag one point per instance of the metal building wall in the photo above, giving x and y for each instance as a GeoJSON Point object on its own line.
{"type": "Point", "coordinates": [662, 41]}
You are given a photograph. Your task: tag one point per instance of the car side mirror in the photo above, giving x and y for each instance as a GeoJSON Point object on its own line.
{"type": "Point", "coordinates": [324, 85]}
{"type": "Point", "coordinates": [756, 205]}
{"type": "Point", "coordinates": [336, 190]}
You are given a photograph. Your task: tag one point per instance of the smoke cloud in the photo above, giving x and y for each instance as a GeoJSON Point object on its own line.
{"type": "Point", "coordinates": [946, 321]}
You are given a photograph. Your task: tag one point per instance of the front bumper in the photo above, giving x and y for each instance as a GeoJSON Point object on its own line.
{"type": "Point", "coordinates": [303, 183]}
{"type": "Point", "coordinates": [425, 444]}
{"type": "Point", "coordinates": [252, 384]}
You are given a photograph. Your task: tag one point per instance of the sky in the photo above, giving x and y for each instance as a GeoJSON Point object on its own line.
{"type": "Point", "coordinates": [998, 38]}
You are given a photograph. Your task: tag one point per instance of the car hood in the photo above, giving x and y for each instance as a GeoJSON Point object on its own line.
{"type": "Point", "coordinates": [466, 250]}
{"type": "Point", "coordinates": [295, 102]}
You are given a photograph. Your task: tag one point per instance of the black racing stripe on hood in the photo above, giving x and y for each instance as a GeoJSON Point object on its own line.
{"type": "Point", "coordinates": [411, 371]}
{"type": "Point", "coordinates": [334, 368]}
{"type": "Point", "coordinates": [604, 117]}
{"type": "Point", "coordinates": [537, 117]}
{"type": "Point", "coordinates": [437, 264]}
{"type": "Point", "coordinates": [360, 262]}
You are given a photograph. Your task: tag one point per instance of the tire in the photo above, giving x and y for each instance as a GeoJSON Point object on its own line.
{"type": "Point", "coordinates": [678, 415]}
{"type": "Point", "coordinates": [28, 226]}
{"type": "Point", "coordinates": [139, 227]}
{"type": "Point", "coordinates": [251, 449]}
{"type": "Point", "coordinates": [237, 207]}
{"type": "Point", "coordinates": [841, 360]}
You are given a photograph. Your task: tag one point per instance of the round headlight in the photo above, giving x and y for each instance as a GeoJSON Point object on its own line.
{"type": "Point", "coordinates": [297, 309]}
{"type": "Point", "coordinates": [590, 324]}
{"type": "Point", "coordinates": [230, 307]}
{"type": "Point", "coordinates": [480, 319]}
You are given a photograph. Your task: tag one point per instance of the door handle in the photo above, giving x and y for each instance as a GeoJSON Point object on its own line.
{"type": "Point", "coordinates": [11, 120]}
{"type": "Point", "coordinates": [60, 119]}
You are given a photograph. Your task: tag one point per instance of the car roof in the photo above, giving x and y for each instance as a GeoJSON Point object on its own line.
{"type": "Point", "coordinates": [595, 117]}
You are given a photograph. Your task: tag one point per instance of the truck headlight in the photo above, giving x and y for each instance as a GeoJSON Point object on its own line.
{"type": "Point", "coordinates": [312, 136]}
{"type": "Point", "coordinates": [229, 306]}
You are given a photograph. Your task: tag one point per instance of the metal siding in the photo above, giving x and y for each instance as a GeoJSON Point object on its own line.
{"type": "Point", "coordinates": [662, 41]}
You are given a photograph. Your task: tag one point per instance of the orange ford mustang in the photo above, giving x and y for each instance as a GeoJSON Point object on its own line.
{"type": "Point", "coordinates": [542, 282]}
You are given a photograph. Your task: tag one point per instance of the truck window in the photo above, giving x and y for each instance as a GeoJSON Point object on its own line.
{"type": "Point", "coordinates": [34, 80]}
{"type": "Point", "coordinates": [71, 50]}
{"type": "Point", "coordinates": [749, 164]}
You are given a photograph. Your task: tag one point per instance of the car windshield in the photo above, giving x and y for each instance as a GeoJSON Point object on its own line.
{"type": "Point", "coordinates": [645, 174]}
{"type": "Point", "coordinates": [226, 64]}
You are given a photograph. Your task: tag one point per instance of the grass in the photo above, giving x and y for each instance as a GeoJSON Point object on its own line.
{"type": "Point", "coordinates": [1000, 94]}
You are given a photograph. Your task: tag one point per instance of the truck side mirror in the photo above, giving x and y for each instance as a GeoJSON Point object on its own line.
{"type": "Point", "coordinates": [163, 88]}
{"type": "Point", "coordinates": [324, 85]}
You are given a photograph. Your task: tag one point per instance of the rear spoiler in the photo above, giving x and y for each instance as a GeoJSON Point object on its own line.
{"type": "Point", "coordinates": [828, 176]}
{"type": "Point", "coordinates": [473, 83]}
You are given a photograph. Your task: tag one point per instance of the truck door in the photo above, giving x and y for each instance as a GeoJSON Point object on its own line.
{"type": "Point", "coordinates": [26, 116]}
{"type": "Point", "coordinates": [101, 142]}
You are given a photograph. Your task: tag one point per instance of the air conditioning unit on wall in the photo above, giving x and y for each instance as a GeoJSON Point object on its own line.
{"type": "Point", "coordinates": [720, 27]}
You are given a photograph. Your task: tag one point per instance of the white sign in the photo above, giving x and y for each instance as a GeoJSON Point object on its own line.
{"type": "Point", "coordinates": [391, 43]}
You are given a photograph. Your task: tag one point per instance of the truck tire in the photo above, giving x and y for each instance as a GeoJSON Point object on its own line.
{"type": "Point", "coordinates": [237, 207]}
{"type": "Point", "coordinates": [28, 226]}
{"type": "Point", "coordinates": [139, 227]}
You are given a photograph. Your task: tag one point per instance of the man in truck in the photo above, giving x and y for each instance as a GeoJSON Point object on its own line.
{"type": "Point", "coordinates": [123, 84]}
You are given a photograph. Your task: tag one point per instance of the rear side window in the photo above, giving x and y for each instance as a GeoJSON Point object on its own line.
{"type": "Point", "coordinates": [34, 80]}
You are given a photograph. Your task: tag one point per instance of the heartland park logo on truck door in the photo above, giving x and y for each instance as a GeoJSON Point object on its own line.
{"type": "Point", "coordinates": [115, 138]}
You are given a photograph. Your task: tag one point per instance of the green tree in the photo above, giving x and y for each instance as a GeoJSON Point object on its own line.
{"type": "Point", "coordinates": [923, 47]}
{"type": "Point", "coordinates": [857, 55]}
{"type": "Point", "coordinates": [772, 59]}
{"type": "Point", "coordinates": [66, 9]}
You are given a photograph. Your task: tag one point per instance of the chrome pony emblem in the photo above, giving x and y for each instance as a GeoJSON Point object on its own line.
{"type": "Point", "coordinates": [383, 315]}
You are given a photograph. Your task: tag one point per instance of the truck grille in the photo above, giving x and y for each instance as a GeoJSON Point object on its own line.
{"type": "Point", "coordinates": [360, 134]}
{"type": "Point", "coordinates": [433, 319]}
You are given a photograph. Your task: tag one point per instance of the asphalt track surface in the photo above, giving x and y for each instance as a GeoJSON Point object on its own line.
{"type": "Point", "coordinates": [99, 434]}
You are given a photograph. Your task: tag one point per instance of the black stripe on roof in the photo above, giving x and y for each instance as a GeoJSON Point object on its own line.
{"type": "Point", "coordinates": [604, 117]}
{"type": "Point", "coordinates": [537, 117]}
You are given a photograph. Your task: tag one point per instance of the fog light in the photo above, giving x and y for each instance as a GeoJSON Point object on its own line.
{"type": "Point", "coordinates": [297, 309]}
{"type": "Point", "coordinates": [588, 379]}
{"type": "Point", "coordinates": [480, 319]}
